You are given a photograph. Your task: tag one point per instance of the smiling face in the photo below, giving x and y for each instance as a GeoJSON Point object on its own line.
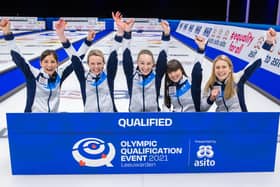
{"type": "Point", "coordinates": [222, 70]}
{"type": "Point", "coordinates": [96, 64]}
{"type": "Point", "coordinates": [175, 70]}
{"type": "Point", "coordinates": [49, 62]}
{"type": "Point", "coordinates": [145, 62]}
{"type": "Point", "coordinates": [96, 61]}
{"type": "Point", "coordinates": [175, 76]}
{"type": "Point", "coordinates": [222, 67]}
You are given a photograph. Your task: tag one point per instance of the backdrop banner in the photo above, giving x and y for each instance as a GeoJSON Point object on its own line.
{"type": "Point", "coordinates": [128, 143]}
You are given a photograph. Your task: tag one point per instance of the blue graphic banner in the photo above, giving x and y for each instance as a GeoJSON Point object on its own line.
{"type": "Point", "coordinates": [127, 143]}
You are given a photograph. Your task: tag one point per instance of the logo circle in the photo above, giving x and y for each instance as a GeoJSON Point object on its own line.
{"type": "Point", "coordinates": [93, 152]}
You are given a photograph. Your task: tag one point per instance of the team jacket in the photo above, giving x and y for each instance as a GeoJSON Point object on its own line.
{"type": "Point", "coordinates": [237, 102]}
{"type": "Point", "coordinates": [143, 90]}
{"type": "Point", "coordinates": [96, 90]}
{"type": "Point", "coordinates": [43, 92]}
{"type": "Point", "coordinates": [185, 95]}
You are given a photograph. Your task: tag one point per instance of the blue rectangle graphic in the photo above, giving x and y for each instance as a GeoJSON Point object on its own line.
{"type": "Point", "coordinates": [126, 143]}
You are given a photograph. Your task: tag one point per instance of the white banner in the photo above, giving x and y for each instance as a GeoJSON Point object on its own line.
{"type": "Point", "coordinates": [145, 24]}
{"type": "Point", "coordinates": [25, 23]}
{"type": "Point", "coordinates": [240, 42]}
{"type": "Point", "coordinates": [83, 23]}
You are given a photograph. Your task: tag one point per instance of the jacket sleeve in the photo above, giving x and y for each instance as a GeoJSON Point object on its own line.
{"type": "Point", "coordinates": [84, 49]}
{"type": "Point", "coordinates": [242, 76]}
{"type": "Point", "coordinates": [128, 61]}
{"type": "Point", "coordinates": [205, 102]}
{"type": "Point", "coordinates": [77, 64]}
{"type": "Point", "coordinates": [28, 70]}
{"type": "Point", "coordinates": [112, 63]}
{"type": "Point", "coordinates": [161, 63]}
{"type": "Point", "coordinates": [197, 79]}
{"type": "Point", "coordinates": [247, 72]}
{"type": "Point", "coordinates": [68, 68]}
{"type": "Point", "coordinates": [196, 85]}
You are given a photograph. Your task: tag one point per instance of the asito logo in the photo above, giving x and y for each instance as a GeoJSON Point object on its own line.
{"type": "Point", "coordinates": [93, 152]}
{"type": "Point", "coordinates": [204, 153]}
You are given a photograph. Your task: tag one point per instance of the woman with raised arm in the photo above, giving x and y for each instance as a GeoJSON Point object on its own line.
{"type": "Point", "coordinates": [144, 81]}
{"type": "Point", "coordinates": [225, 87]}
{"type": "Point", "coordinates": [44, 84]}
{"type": "Point", "coordinates": [183, 93]}
{"type": "Point", "coordinates": [96, 84]}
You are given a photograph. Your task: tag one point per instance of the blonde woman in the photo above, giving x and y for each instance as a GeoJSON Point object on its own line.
{"type": "Point", "coordinates": [225, 87]}
{"type": "Point", "coordinates": [144, 80]}
{"type": "Point", "coordinates": [96, 83]}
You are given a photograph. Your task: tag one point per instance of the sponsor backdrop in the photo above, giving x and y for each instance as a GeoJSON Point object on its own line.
{"type": "Point", "coordinates": [242, 44]}
{"type": "Point", "coordinates": [82, 23]}
{"type": "Point", "coordinates": [127, 143]}
{"type": "Point", "coordinates": [25, 23]}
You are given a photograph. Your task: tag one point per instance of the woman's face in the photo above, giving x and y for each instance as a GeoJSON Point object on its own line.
{"type": "Point", "coordinates": [175, 76]}
{"type": "Point", "coordinates": [96, 64]}
{"type": "Point", "coordinates": [222, 70]}
{"type": "Point", "coordinates": [49, 64]}
{"type": "Point", "coordinates": [145, 64]}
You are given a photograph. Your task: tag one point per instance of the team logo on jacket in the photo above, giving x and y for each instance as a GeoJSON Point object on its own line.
{"type": "Point", "coordinates": [93, 152]}
{"type": "Point", "coordinates": [43, 81]}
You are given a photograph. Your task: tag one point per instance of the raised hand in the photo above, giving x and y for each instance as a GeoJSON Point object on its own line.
{"type": "Point", "coordinates": [91, 35]}
{"type": "Point", "coordinates": [165, 26]}
{"type": "Point", "coordinates": [271, 36]}
{"type": "Point", "coordinates": [60, 26]}
{"type": "Point", "coordinates": [215, 92]}
{"type": "Point", "coordinates": [123, 26]}
{"type": "Point", "coordinates": [5, 25]}
{"type": "Point", "coordinates": [200, 42]}
{"type": "Point", "coordinates": [129, 24]}
{"type": "Point", "coordinates": [117, 17]}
